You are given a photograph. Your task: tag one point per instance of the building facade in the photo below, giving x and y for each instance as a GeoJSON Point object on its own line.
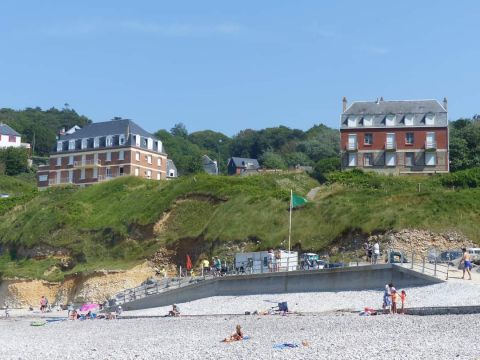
{"type": "Point", "coordinates": [239, 166]}
{"type": "Point", "coordinates": [395, 137]}
{"type": "Point", "coordinates": [103, 151]}
{"type": "Point", "coordinates": [10, 138]}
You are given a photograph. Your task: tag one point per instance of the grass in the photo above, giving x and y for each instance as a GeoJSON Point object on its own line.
{"type": "Point", "coordinates": [110, 225]}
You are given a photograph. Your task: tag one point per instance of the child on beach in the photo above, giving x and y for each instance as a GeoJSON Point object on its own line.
{"type": "Point", "coordinates": [236, 336]}
{"type": "Point", "coordinates": [403, 298]}
{"type": "Point", "coordinates": [394, 301]}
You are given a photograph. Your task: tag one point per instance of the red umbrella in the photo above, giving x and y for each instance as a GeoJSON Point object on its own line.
{"type": "Point", "coordinates": [189, 263]}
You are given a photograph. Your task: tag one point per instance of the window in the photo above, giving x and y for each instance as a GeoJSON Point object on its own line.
{"type": "Point", "coordinates": [172, 173]}
{"type": "Point", "coordinates": [12, 138]}
{"type": "Point", "coordinates": [137, 140]}
{"type": "Point", "coordinates": [43, 178]}
{"type": "Point", "coordinates": [148, 174]}
{"type": "Point", "coordinates": [367, 159]}
{"type": "Point", "coordinates": [71, 145]}
{"type": "Point", "coordinates": [96, 142]}
{"type": "Point", "coordinates": [137, 156]}
{"type": "Point", "coordinates": [430, 119]}
{"type": "Point", "coordinates": [409, 138]}
{"type": "Point", "coordinates": [144, 142]}
{"type": "Point", "coordinates": [352, 159]}
{"type": "Point", "coordinates": [368, 120]}
{"type": "Point", "coordinates": [70, 160]}
{"type": "Point", "coordinates": [149, 159]}
{"type": "Point", "coordinates": [137, 171]}
{"type": "Point", "coordinates": [352, 142]}
{"type": "Point", "coordinates": [390, 120]}
{"type": "Point", "coordinates": [109, 141]}
{"type": "Point", "coordinates": [352, 121]}
{"type": "Point", "coordinates": [368, 139]}
{"type": "Point", "coordinates": [390, 143]}
{"type": "Point", "coordinates": [59, 146]}
{"type": "Point", "coordinates": [158, 144]}
{"type": "Point", "coordinates": [409, 120]}
{"type": "Point", "coordinates": [430, 143]}
{"type": "Point", "coordinates": [158, 176]}
{"type": "Point", "coordinates": [95, 172]}
{"type": "Point", "coordinates": [409, 159]}
{"type": "Point", "coordinates": [159, 161]}
{"type": "Point", "coordinates": [84, 143]}
{"type": "Point", "coordinates": [108, 172]}
{"type": "Point", "coordinates": [70, 176]}
{"type": "Point", "coordinates": [59, 161]}
{"type": "Point", "coordinates": [430, 159]}
{"type": "Point", "coordinates": [150, 143]}
{"type": "Point", "coordinates": [121, 139]}
{"type": "Point", "coordinates": [121, 171]}
{"type": "Point", "coordinates": [82, 174]}
{"type": "Point", "coordinates": [121, 155]}
{"type": "Point", "coordinates": [109, 156]}
{"type": "Point", "coordinates": [390, 158]}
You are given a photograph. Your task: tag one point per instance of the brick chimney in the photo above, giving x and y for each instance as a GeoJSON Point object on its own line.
{"type": "Point", "coordinates": [344, 101]}
{"type": "Point", "coordinates": [445, 103]}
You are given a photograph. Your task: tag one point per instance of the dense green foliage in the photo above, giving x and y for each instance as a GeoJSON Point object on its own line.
{"type": "Point", "coordinates": [464, 144]}
{"type": "Point", "coordinates": [39, 127]}
{"type": "Point", "coordinates": [13, 161]}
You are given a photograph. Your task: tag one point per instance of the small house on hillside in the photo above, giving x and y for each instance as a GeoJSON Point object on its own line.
{"type": "Point", "coordinates": [10, 138]}
{"type": "Point", "coordinates": [238, 165]}
{"type": "Point", "coordinates": [171, 169]}
{"type": "Point", "coordinates": [209, 166]}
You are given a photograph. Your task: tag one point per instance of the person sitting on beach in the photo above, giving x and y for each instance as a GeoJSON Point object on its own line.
{"type": "Point", "coordinates": [175, 311]}
{"type": "Point", "coordinates": [236, 336]}
{"type": "Point", "coordinates": [73, 315]}
{"type": "Point", "coordinates": [403, 299]}
{"type": "Point", "coordinates": [467, 264]}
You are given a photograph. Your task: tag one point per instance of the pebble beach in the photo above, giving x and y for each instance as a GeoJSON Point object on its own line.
{"type": "Point", "coordinates": [324, 326]}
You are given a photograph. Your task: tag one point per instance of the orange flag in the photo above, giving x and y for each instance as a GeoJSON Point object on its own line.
{"type": "Point", "coordinates": [189, 263]}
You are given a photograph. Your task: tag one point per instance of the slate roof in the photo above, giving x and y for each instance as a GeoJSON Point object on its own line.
{"type": "Point", "coordinates": [112, 127]}
{"type": "Point", "coordinates": [209, 166]}
{"type": "Point", "coordinates": [378, 110]}
{"type": "Point", "coordinates": [7, 130]}
{"type": "Point", "coordinates": [243, 162]}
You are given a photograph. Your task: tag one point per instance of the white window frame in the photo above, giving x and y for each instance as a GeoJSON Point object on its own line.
{"type": "Point", "coordinates": [121, 139]}
{"type": "Point", "coordinates": [430, 119]}
{"type": "Point", "coordinates": [59, 161]}
{"type": "Point", "coordinates": [43, 178]}
{"type": "Point", "coordinates": [82, 174]}
{"type": "Point", "coordinates": [406, 138]}
{"type": "Point", "coordinates": [159, 161]}
{"type": "Point", "coordinates": [352, 159]}
{"type": "Point", "coordinates": [148, 174]}
{"type": "Point", "coordinates": [390, 144]}
{"type": "Point", "coordinates": [71, 144]}
{"type": "Point", "coordinates": [96, 142]}
{"type": "Point", "coordinates": [370, 156]}
{"type": "Point", "coordinates": [70, 160]}
{"type": "Point", "coordinates": [368, 120]}
{"type": "Point", "coordinates": [137, 156]}
{"type": "Point", "coordinates": [121, 155]}
{"type": "Point", "coordinates": [365, 139]}
{"type": "Point", "coordinates": [390, 120]}
{"type": "Point", "coordinates": [84, 144]}
{"type": "Point", "coordinates": [407, 156]}
{"type": "Point", "coordinates": [95, 172]}
{"type": "Point", "coordinates": [109, 141]}
{"type": "Point", "coordinates": [137, 171]}
{"type": "Point", "coordinates": [59, 146]}
{"type": "Point", "coordinates": [150, 143]}
{"type": "Point", "coordinates": [352, 145]}
{"type": "Point", "coordinates": [149, 159]}
{"type": "Point", "coordinates": [390, 156]}
{"type": "Point", "coordinates": [352, 121]}
{"type": "Point", "coordinates": [433, 158]}
{"type": "Point", "coordinates": [409, 120]}
{"type": "Point", "coordinates": [159, 176]}
{"type": "Point", "coordinates": [108, 156]}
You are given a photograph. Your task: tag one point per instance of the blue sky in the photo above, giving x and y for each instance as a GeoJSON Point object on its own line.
{"type": "Point", "coordinates": [227, 66]}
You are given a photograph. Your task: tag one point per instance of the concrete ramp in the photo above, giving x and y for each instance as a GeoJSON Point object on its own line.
{"type": "Point", "coordinates": [372, 277]}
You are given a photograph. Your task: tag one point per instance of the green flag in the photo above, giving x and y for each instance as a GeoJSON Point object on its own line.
{"type": "Point", "coordinates": [297, 201]}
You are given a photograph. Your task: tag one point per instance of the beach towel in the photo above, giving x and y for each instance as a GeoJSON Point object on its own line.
{"type": "Point", "coordinates": [37, 323]}
{"type": "Point", "coordinates": [285, 346]}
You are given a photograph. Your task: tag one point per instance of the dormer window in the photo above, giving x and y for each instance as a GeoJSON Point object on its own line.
{"type": "Point", "coordinates": [84, 143]}
{"type": "Point", "coordinates": [150, 144]}
{"type": "Point", "coordinates": [71, 145]}
{"type": "Point", "coordinates": [137, 140]}
{"type": "Point", "coordinates": [96, 142]}
{"type": "Point", "coordinates": [390, 120]}
{"type": "Point", "coordinates": [430, 119]}
{"type": "Point", "coordinates": [352, 121]}
{"type": "Point", "coordinates": [109, 141]}
{"type": "Point", "coordinates": [145, 142]}
{"type": "Point", "coordinates": [368, 120]}
{"type": "Point", "coordinates": [121, 139]}
{"type": "Point", "coordinates": [409, 120]}
{"type": "Point", "coordinates": [59, 146]}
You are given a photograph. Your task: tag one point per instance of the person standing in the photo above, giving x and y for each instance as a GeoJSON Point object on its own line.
{"type": "Point", "coordinates": [270, 260]}
{"type": "Point", "coordinates": [467, 264]}
{"type": "Point", "coordinates": [376, 252]}
{"type": "Point", "coordinates": [43, 304]}
{"type": "Point", "coordinates": [386, 298]}
{"type": "Point", "coordinates": [403, 299]}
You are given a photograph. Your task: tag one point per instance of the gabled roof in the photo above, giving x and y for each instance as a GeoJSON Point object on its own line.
{"type": "Point", "coordinates": [245, 162]}
{"type": "Point", "coordinates": [394, 107]}
{"type": "Point", "coordinates": [7, 130]}
{"type": "Point", "coordinates": [112, 127]}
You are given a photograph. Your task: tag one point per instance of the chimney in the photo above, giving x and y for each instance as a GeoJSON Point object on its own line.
{"type": "Point", "coordinates": [445, 103]}
{"type": "Point", "coordinates": [344, 101]}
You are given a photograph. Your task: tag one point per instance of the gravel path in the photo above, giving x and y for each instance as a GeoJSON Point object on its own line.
{"type": "Point", "coordinates": [330, 337]}
{"type": "Point", "coordinates": [445, 294]}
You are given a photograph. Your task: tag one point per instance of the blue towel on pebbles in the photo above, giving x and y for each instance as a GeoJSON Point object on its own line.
{"type": "Point", "coordinates": [285, 346]}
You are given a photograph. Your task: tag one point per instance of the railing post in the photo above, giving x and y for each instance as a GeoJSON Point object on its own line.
{"type": "Point", "coordinates": [423, 264]}
{"type": "Point", "coordinates": [134, 295]}
{"type": "Point", "coordinates": [435, 268]}
{"type": "Point", "coordinates": [413, 259]}
{"type": "Point", "coordinates": [156, 285]}
{"type": "Point", "coordinates": [288, 263]}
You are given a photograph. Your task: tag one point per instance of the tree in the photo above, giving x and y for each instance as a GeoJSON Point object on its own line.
{"type": "Point", "coordinates": [180, 130]}
{"type": "Point", "coordinates": [14, 160]}
{"type": "Point", "coordinates": [271, 160]}
{"type": "Point", "coordinates": [325, 166]}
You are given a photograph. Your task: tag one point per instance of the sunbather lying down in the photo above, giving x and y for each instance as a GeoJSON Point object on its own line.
{"type": "Point", "coordinates": [236, 336]}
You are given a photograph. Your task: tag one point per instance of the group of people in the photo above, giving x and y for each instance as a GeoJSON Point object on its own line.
{"type": "Point", "coordinates": [43, 304]}
{"type": "Point", "coordinates": [273, 260]}
{"type": "Point", "coordinates": [391, 298]}
{"type": "Point", "coordinates": [215, 268]}
{"type": "Point", "coordinates": [372, 252]}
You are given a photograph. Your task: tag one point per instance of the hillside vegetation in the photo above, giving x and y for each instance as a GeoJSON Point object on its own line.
{"type": "Point", "coordinates": [118, 223]}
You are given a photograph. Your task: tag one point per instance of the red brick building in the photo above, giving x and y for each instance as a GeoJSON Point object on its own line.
{"type": "Point", "coordinates": [103, 151]}
{"type": "Point", "coordinates": [398, 137]}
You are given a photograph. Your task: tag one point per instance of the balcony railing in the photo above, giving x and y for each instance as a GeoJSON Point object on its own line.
{"type": "Point", "coordinates": [61, 181]}
{"type": "Point", "coordinates": [390, 145]}
{"type": "Point", "coordinates": [87, 163]}
{"type": "Point", "coordinates": [351, 147]}
{"type": "Point", "coordinates": [109, 177]}
{"type": "Point", "coordinates": [430, 145]}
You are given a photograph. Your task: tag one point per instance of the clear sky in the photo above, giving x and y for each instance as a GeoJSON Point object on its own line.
{"type": "Point", "coordinates": [230, 65]}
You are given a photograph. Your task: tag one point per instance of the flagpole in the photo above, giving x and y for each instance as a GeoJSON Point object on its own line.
{"type": "Point", "coordinates": [290, 223]}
